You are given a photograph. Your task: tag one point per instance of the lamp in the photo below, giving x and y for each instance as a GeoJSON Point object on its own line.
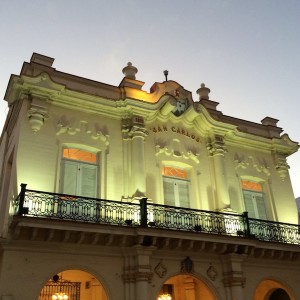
{"type": "Point", "coordinates": [60, 295]}
{"type": "Point", "coordinates": [166, 72]}
{"type": "Point", "coordinates": [164, 297]}
{"type": "Point", "coordinates": [166, 292]}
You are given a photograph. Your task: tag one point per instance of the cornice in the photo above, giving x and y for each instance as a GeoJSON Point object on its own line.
{"type": "Point", "coordinates": [26, 232]}
{"type": "Point", "coordinates": [69, 91]}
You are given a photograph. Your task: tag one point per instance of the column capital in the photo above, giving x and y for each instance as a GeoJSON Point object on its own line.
{"type": "Point", "coordinates": [134, 127]}
{"type": "Point", "coordinates": [217, 146]}
{"type": "Point", "coordinates": [234, 278]}
{"type": "Point", "coordinates": [281, 165]}
{"type": "Point", "coordinates": [137, 131]}
{"type": "Point", "coordinates": [140, 273]}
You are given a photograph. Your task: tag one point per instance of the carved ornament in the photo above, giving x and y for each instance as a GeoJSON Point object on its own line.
{"type": "Point", "coordinates": [212, 273]}
{"type": "Point", "coordinates": [82, 127]}
{"type": "Point", "coordinates": [187, 266]}
{"type": "Point", "coordinates": [260, 165]}
{"type": "Point", "coordinates": [160, 269]}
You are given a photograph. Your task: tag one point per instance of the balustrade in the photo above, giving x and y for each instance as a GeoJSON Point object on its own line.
{"type": "Point", "coordinates": [39, 204]}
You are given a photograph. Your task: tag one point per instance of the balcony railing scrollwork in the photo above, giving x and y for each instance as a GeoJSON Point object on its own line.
{"type": "Point", "coordinates": [75, 208]}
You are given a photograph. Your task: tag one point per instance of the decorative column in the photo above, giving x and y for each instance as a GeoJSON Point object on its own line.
{"type": "Point", "coordinates": [217, 150]}
{"type": "Point", "coordinates": [138, 174]}
{"type": "Point", "coordinates": [233, 278]}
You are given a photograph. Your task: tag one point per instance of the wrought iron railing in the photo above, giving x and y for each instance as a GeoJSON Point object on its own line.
{"type": "Point", "coordinates": [68, 288]}
{"type": "Point", "coordinates": [144, 214]}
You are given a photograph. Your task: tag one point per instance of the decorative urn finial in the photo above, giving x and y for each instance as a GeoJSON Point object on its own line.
{"type": "Point", "coordinates": [203, 92]}
{"type": "Point", "coordinates": [129, 71]}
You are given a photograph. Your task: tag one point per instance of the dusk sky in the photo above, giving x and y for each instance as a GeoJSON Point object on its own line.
{"type": "Point", "coordinates": [246, 52]}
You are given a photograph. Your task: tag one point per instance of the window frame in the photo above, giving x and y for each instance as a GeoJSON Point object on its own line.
{"type": "Point", "coordinates": [177, 180]}
{"type": "Point", "coordinates": [79, 179]}
{"type": "Point", "coordinates": [256, 203]}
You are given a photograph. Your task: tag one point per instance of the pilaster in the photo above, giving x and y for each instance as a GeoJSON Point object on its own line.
{"type": "Point", "coordinates": [137, 133]}
{"type": "Point", "coordinates": [137, 273]}
{"type": "Point", "coordinates": [217, 151]}
{"type": "Point", "coordinates": [233, 276]}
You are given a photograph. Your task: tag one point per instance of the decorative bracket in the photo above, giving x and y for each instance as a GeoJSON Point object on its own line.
{"type": "Point", "coordinates": [37, 115]}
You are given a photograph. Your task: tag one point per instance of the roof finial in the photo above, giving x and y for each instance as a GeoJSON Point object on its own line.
{"type": "Point", "coordinates": [129, 71]}
{"type": "Point", "coordinates": [203, 92]}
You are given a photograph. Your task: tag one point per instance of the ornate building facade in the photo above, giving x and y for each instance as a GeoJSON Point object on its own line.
{"type": "Point", "coordinates": [111, 192]}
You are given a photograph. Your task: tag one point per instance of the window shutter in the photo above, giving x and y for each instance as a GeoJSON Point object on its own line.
{"type": "Point", "coordinates": [70, 173]}
{"type": "Point", "coordinates": [255, 205]}
{"type": "Point", "coordinates": [169, 193]}
{"type": "Point", "coordinates": [260, 202]}
{"type": "Point", "coordinates": [183, 193]}
{"type": "Point", "coordinates": [176, 192]}
{"type": "Point", "coordinates": [249, 205]}
{"type": "Point", "coordinates": [88, 180]}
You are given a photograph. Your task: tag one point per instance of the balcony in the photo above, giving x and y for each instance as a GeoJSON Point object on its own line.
{"type": "Point", "coordinates": [55, 207]}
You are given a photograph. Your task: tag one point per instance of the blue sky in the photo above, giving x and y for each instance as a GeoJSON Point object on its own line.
{"type": "Point", "coordinates": [246, 52]}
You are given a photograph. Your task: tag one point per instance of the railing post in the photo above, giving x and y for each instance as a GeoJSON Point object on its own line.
{"type": "Point", "coordinates": [247, 224]}
{"type": "Point", "coordinates": [22, 199]}
{"type": "Point", "coordinates": [143, 207]}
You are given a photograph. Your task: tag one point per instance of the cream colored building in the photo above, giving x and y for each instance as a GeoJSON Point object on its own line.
{"type": "Point", "coordinates": [130, 195]}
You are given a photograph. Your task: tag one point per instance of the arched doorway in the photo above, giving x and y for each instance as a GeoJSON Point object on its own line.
{"type": "Point", "coordinates": [279, 294]}
{"type": "Point", "coordinates": [273, 290]}
{"type": "Point", "coordinates": [73, 285]}
{"type": "Point", "coordinates": [185, 287]}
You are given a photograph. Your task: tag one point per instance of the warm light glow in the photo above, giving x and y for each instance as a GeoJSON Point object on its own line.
{"type": "Point", "coordinates": [81, 155]}
{"type": "Point", "coordinates": [251, 185]}
{"type": "Point", "coordinates": [60, 296]}
{"type": "Point", "coordinates": [175, 172]}
{"type": "Point", "coordinates": [164, 297]}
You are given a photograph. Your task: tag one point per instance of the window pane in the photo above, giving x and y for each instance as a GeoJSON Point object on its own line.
{"type": "Point", "coordinates": [251, 186]}
{"type": "Point", "coordinates": [175, 172]}
{"type": "Point", "coordinates": [80, 155]}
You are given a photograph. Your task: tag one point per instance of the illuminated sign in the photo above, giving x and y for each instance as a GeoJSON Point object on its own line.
{"type": "Point", "coordinates": [174, 129]}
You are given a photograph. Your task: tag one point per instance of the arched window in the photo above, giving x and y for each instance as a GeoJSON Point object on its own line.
{"type": "Point", "coordinates": [254, 199]}
{"type": "Point", "coordinates": [176, 186]}
{"type": "Point", "coordinates": [79, 173]}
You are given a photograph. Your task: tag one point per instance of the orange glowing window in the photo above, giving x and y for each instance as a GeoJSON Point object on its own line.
{"type": "Point", "coordinates": [81, 155]}
{"type": "Point", "coordinates": [175, 172]}
{"type": "Point", "coordinates": [252, 186]}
